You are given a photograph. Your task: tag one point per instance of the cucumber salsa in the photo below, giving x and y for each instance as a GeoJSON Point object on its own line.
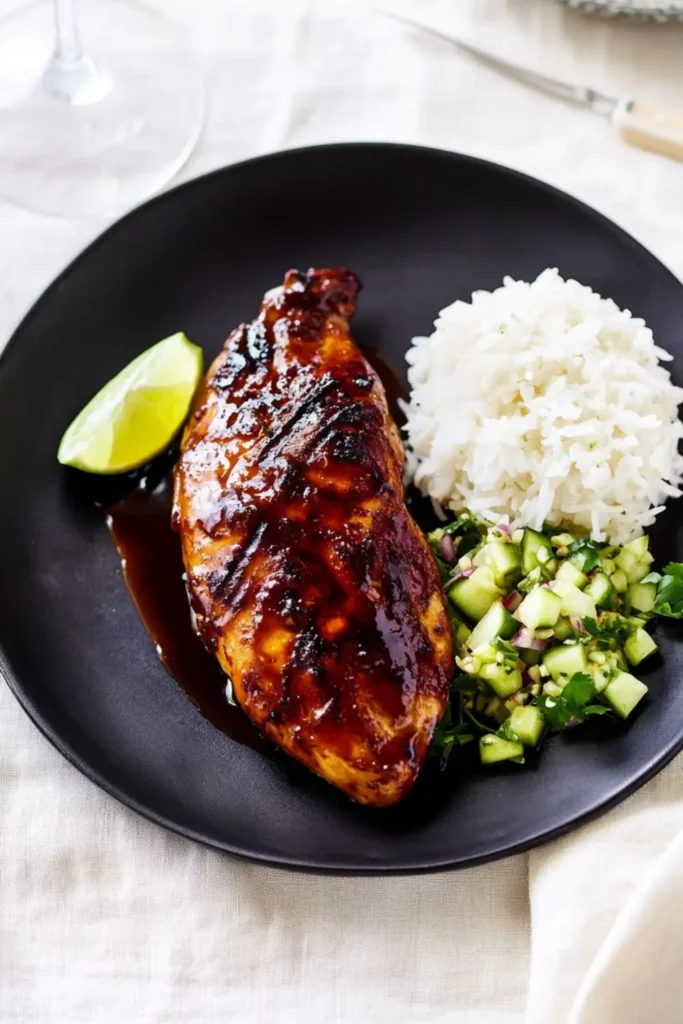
{"type": "Point", "coordinates": [548, 630]}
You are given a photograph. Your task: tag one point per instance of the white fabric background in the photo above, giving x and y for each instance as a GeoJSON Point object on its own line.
{"type": "Point", "coordinates": [105, 918]}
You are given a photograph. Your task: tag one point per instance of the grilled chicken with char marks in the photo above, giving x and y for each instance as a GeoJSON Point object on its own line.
{"type": "Point", "coordinates": [308, 578]}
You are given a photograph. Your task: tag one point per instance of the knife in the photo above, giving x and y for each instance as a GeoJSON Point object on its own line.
{"type": "Point", "coordinates": [647, 125]}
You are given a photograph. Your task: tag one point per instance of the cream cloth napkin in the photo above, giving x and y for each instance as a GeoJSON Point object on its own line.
{"type": "Point", "coordinates": [105, 918]}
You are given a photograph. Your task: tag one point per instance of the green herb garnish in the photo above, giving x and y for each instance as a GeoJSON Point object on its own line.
{"type": "Point", "coordinates": [608, 629]}
{"type": "Point", "coordinates": [585, 554]}
{"type": "Point", "coordinates": [450, 733]}
{"type": "Point", "coordinates": [669, 600]}
{"type": "Point", "coordinates": [573, 704]}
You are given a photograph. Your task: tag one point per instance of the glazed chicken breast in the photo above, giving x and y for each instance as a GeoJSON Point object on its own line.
{"type": "Point", "coordinates": [308, 578]}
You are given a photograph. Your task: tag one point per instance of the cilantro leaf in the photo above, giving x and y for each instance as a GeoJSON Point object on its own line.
{"type": "Point", "coordinates": [669, 599]}
{"type": "Point", "coordinates": [463, 683]}
{"type": "Point", "coordinates": [463, 524]}
{"type": "Point", "coordinates": [444, 569]}
{"type": "Point", "coordinates": [572, 705]}
{"type": "Point", "coordinates": [451, 733]}
{"type": "Point", "coordinates": [608, 629]}
{"type": "Point", "coordinates": [579, 689]}
{"type": "Point", "coordinates": [445, 740]}
{"type": "Point", "coordinates": [507, 732]}
{"type": "Point", "coordinates": [555, 711]}
{"type": "Point", "coordinates": [585, 554]}
{"type": "Point", "coordinates": [447, 735]}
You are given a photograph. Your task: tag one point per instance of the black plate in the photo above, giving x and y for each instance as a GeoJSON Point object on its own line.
{"type": "Point", "coordinates": [421, 228]}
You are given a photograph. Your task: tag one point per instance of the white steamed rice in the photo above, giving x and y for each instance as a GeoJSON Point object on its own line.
{"type": "Point", "coordinates": [544, 402]}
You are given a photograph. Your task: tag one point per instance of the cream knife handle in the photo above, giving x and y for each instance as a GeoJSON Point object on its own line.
{"type": "Point", "coordinates": [651, 127]}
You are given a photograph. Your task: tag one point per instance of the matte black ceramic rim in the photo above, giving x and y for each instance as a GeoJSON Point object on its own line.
{"type": "Point", "coordinates": [311, 864]}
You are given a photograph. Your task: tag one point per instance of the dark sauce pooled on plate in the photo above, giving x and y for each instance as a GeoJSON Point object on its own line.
{"type": "Point", "coordinates": [140, 525]}
{"type": "Point", "coordinates": [138, 510]}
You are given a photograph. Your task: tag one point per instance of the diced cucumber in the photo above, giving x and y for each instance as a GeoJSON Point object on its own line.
{"type": "Point", "coordinates": [492, 706]}
{"type": "Point", "coordinates": [575, 603]}
{"type": "Point", "coordinates": [479, 556]}
{"type": "Point", "coordinates": [568, 573]}
{"type": "Point", "coordinates": [529, 656]}
{"type": "Point", "coordinates": [638, 547]}
{"type": "Point", "coordinates": [563, 628]}
{"type": "Point", "coordinates": [552, 689]}
{"type": "Point", "coordinates": [496, 623]}
{"type": "Point", "coordinates": [601, 591]}
{"type": "Point", "coordinates": [634, 565]}
{"type": "Point", "coordinates": [487, 653]}
{"type": "Point", "coordinates": [626, 560]}
{"type": "Point", "coordinates": [598, 675]}
{"type": "Point", "coordinates": [505, 560]}
{"type": "Point", "coordinates": [461, 635]}
{"type": "Point", "coordinates": [619, 581]}
{"type": "Point", "coordinates": [503, 679]}
{"type": "Point", "coordinates": [565, 660]}
{"type": "Point", "coordinates": [473, 595]}
{"type": "Point", "coordinates": [639, 646]}
{"type": "Point", "coordinates": [639, 570]}
{"type": "Point", "coordinates": [494, 748]}
{"type": "Point", "coordinates": [501, 714]}
{"type": "Point", "coordinates": [621, 663]}
{"type": "Point", "coordinates": [623, 693]}
{"type": "Point", "coordinates": [528, 725]}
{"type": "Point", "coordinates": [536, 550]}
{"type": "Point", "coordinates": [534, 579]}
{"type": "Point", "coordinates": [540, 608]}
{"type": "Point", "coordinates": [563, 540]}
{"type": "Point", "coordinates": [643, 596]}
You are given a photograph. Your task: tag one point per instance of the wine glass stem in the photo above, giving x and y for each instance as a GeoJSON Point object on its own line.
{"type": "Point", "coordinates": [67, 44]}
{"type": "Point", "coordinates": [71, 76]}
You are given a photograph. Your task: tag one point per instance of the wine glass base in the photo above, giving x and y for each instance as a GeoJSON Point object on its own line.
{"type": "Point", "coordinates": [134, 125]}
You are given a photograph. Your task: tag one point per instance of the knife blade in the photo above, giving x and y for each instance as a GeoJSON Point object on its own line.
{"type": "Point", "coordinates": [646, 125]}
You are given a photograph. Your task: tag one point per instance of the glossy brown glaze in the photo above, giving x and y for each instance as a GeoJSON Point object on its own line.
{"type": "Point", "coordinates": [391, 382]}
{"type": "Point", "coordinates": [140, 525]}
{"type": "Point", "coordinates": [309, 579]}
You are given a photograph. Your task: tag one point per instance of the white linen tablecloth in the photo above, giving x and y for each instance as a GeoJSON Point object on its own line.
{"type": "Point", "coordinates": [105, 918]}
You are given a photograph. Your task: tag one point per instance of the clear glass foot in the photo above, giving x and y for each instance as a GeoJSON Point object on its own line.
{"type": "Point", "coordinates": [93, 133]}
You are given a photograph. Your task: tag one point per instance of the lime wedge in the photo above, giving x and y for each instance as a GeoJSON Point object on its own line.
{"type": "Point", "coordinates": [137, 414]}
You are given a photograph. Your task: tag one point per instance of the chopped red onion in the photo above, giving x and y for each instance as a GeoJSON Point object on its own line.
{"type": "Point", "coordinates": [447, 548]}
{"type": "Point", "coordinates": [578, 625]}
{"type": "Point", "coordinates": [512, 602]}
{"type": "Point", "coordinates": [525, 639]}
{"type": "Point", "coordinates": [460, 574]}
{"type": "Point", "coordinates": [503, 527]}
